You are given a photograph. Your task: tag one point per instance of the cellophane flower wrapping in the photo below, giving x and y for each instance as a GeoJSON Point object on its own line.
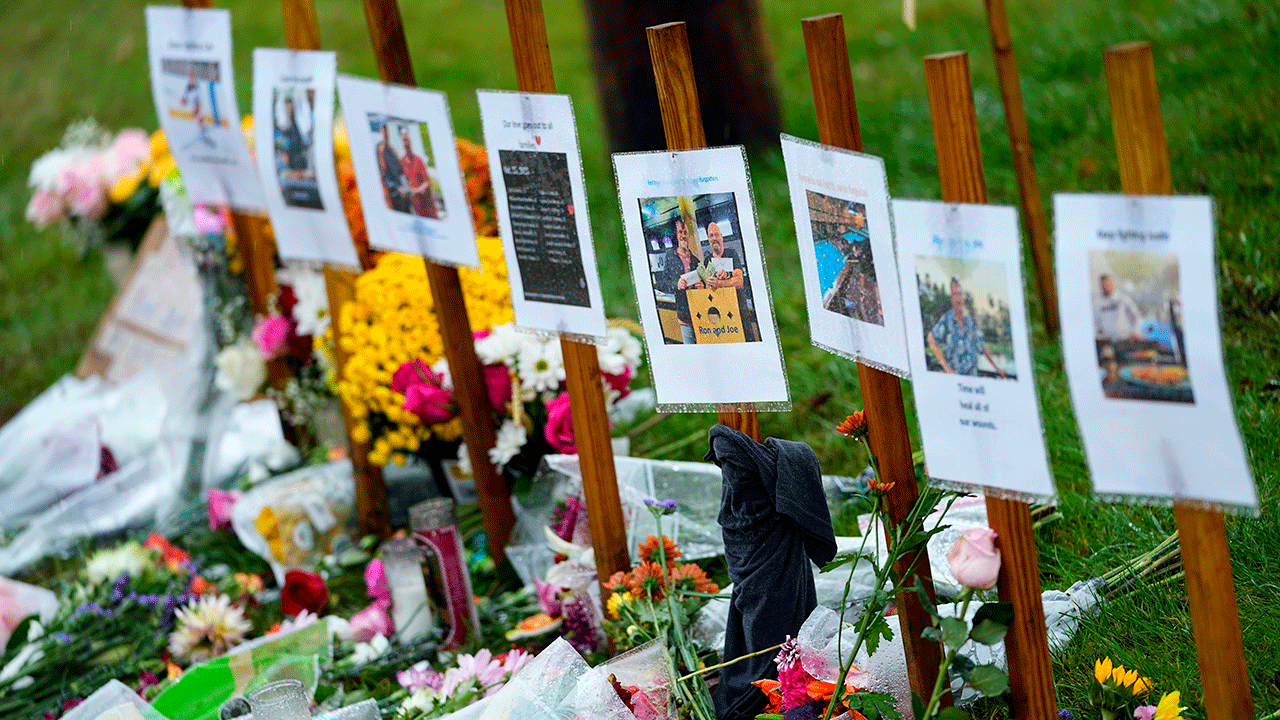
{"type": "Point", "coordinates": [558, 685]}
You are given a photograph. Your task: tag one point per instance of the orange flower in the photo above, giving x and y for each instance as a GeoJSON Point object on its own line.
{"type": "Point", "coordinates": [648, 580]}
{"type": "Point", "coordinates": [199, 585]}
{"type": "Point", "coordinates": [874, 483]}
{"type": "Point", "coordinates": [170, 555]}
{"type": "Point", "coordinates": [249, 582]}
{"type": "Point", "coordinates": [692, 577]}
{"type": "Point", "coordinates": [854, 426]}
{"type": "Point", "coordinates": [649, 550]}
{"type": "Point", "coordinates": [619, 582]}
{"type": "Point", "coordinates": [771, 690]}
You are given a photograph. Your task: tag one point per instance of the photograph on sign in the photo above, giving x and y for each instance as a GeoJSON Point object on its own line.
{"type": "Point", "coordinates": [293, 102]}
{"type": "Point", "coordinates": [1141, 343]}
{"type": "Point", "coordinates": [541, 204]}
{"type": "Point", "coordinates": [700, 278]}
{"type": "Point", "coordinates": [194, 92]}
{"type": "Point", "coordinates": [970, 355]}
{"type": "Point", "coordinates": [407, 170]}
{"type": "Point", "coordinates": [844, 232]}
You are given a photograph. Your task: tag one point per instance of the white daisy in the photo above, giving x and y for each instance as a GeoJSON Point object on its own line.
{"type": "Point", "coordinates": [540, 365]}
{"type": "Point", "coordinates": [511, 437]}
{"type": "Point", "coordinates": [207, 627]}
{"type": "Point", "coordinates": [423, 700]}
{"type": "Point", "coordinates": [620, 350]}
{"type": "Point", "coordinates": [501, 345]}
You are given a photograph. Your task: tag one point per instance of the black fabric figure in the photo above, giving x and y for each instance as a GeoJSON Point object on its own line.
{"type": "Point", "coordinates": [774, 517]}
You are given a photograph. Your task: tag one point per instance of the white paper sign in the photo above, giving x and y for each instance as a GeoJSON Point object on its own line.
{"type": "Point", "coordinates": [716, 342]}
{"type": "Point", "coordinates": [966, 324]}
{"type": "Point", "coordinates": [541, 201]}
{"type": "Point", "coordinates": [293, 98]}
{"type": "Point", "coordinates": [195, 96]}
{"type": "Point", "coordinates": [407, 169]}
{"type": "Point", "coordinates": [1141, 341]}
{"type": "Point", "coordinates": [840, 201]}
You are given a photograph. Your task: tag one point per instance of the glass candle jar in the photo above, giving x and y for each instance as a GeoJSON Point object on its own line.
{"type": "Point", "coordinates": [280, 700]}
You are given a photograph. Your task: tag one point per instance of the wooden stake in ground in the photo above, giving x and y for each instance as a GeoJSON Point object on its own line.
{"type": "Point", "coordinates": [1015, 118]}
{"type": "Point", "coordinates": [955, 133]}
{"type": "Point", "coordinates": [386, 31]}
{"type": "Point", "coordinates": [302, 32]}
{"type": "Point", "coordinates": [1211, 595]}
{"type": "Point", "coordinates": [528, 30]}
{"type": "Point", "coordinates": [887, 433]}
{"type": "Point", "coordinates": [682, 122]}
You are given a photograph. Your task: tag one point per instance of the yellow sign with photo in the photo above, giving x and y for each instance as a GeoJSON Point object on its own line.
{"type": "Point", "coordinates": [715, 315]}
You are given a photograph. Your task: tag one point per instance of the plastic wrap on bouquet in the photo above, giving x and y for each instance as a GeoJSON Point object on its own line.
{"type": "Point", "coordinates": [294, 520]}
{"type": "Point", "coordinates": [558, 685]}
{"type": "Point", "coordinates": [695, 486]}
{"type": "Point", "coordinates": [114, 701]}
{"type": "Point", "coordinates": [644, 674]}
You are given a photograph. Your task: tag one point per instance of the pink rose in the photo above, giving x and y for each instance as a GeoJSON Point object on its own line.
{"type": "Point", "coordinates": [375, 579]}
{"type": "Point", "coordinates": [271, 333]}
{"type": "Point", "coordinates": [974, 558]}
{"type": "Point", "coordinates": [412, 373]}
{"type": "Point", "coordinates": [430, 403]}
{"type": "Point", "coordinates": [497, 378]}
{"type": "Point", "coordinates": [220, 504]}
{"type": "Point", "coordinates": [84, 193]}
{"type": "Point", "coordinates": [559, 427]}
{"type": "Point", "coordinates": [130, 147]}
{"type": "Point", "coordinates": [45, 209]}
{"type": "Point", "coordinates": [209, 221]}
{"type": "Point", "coordinates": [373, 620]}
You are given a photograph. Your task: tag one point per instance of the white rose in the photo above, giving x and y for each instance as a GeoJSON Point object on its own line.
{"type": "Point", "coordinates": [241, 369]}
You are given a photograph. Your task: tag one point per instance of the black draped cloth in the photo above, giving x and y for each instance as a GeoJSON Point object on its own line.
{"type": "Point", "coordinates": [774, 517]}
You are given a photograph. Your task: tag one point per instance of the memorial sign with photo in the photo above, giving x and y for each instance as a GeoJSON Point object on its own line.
{"type": "Point", "coordinates": [407, 169]}
{"type": "Point", "coordinates": [293, 102]}
{"type": "Point", "coordinates": [541, 202]}
{"type": "Point", "coordinates": [1141, 343]}
{"type": "Point", "coordinates": [840, 202]}
{"type": "Point", "coordinates": [970, 358]}
{"type": "Point", "coordinates": [700, 279]}
{"type": "Point", "coordinates": [194, 93]}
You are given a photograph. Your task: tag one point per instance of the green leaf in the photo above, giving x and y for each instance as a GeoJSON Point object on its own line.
{"type": "Point", "coordinates": [846, 558]}
{"type": "Point", "coordinates": [874, 705]}
{"type": "Point", "coordinates": [997, 612]}
{"type": "Point", "coordinates": [925, 602]}
{"type": "Point", "coordinates": [878, 628]}
{"type": "Point", "coordinates": [19, 636]}
{"type": "Point", "coordinates": [931, 633]}
{"type": "Point", "coordinates": [952, 713]}
{"type": "Point", "coordinates": [917, 705]}
{"type": "Point", "coordinates": [988, 680]}
{"type": "Point", "coordinates": [961, 664]}
{"type": "Point", "coordinates": [988, 632]}
{"type": "Point", "coordinates": [954, 632]}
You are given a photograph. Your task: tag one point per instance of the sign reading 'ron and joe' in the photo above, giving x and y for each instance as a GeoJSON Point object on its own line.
{"type": "Point", "coordinates": [541, 202]}
{"type": "Point", "coordinates": [700, 278]}
{"type": "Point", "coordinates": [961, 273]}
{"type": "Point", "coordinates": [407, 169]}
{"type": "Point", "coordinates": [1140, 334]}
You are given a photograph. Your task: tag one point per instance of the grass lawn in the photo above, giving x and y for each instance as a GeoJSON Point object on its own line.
{"type": "Point", "coordinates": [1218, 66]}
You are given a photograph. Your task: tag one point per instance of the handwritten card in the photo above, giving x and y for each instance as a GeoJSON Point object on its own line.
{"type": "Point", "coordinates": [541, 201]}
{"type": "Point", "coordinates": [195, 96]}
{"type": "Point", "coordinates": [840, 201]}
{"type": "Point", "coordinates": [407, 169]}
{"type": "Point", "coordinates": [1142, 345]}
{"type": "Point", "coordinates": [966, 323]}
{"type": "Point", "coordinates": [293, 102]}
{"type": "Point", "coordinates": [713, 342]}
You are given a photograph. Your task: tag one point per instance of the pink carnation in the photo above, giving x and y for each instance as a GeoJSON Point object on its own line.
{"type": "Point", "coordinates": [271, 333]}
{"type": "Point", "coordinates": [432, 404]}
{"type": "Point", "coordinates": [375, 579]}
{"type": "Point", "coordinates": [209, 221]}
{"type": "Point", "coordinates": [373, 620]}
{"type": "Point", "coordinates": [221, 503]}
{"type": "Point", "coordinates": [45, 209]}
{"type": "Point", "coordinates": [548, 597]}
{"type": "Point", "coordinates": [559, 428]}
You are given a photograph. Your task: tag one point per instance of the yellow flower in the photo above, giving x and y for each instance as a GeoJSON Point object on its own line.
{"type": "Point", "coordinates": [1168, 708]}
{"type": "Point", "coordinates": [616, 601]}
{"type": "Point", "coordinates": [159, 145]}
{"type": "Point", "coordinates": [127, 184]}
{"type": "Point", "coordinates": [161, 169]}
{"type": "Point", "coordinates": [1102, 670]}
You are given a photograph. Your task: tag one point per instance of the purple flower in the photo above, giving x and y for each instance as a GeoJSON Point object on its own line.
{"type": "Point", "coordinates": [62, 637]}
{"type": "Point", "coordinates": [578, 628]}
{"type": "Point", "coordinates": [1066, 715]}
{"type": "Point", "coordinates": [665, 506]}
{"type": "Point", "coordinates": [119, 589]}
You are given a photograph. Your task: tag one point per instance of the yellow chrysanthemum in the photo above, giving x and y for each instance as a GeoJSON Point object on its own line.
{"type": "Point", "coordinates": [616, 601]}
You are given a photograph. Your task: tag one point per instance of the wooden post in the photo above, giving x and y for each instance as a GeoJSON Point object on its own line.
{"type": "Point", "coordinates": [887, 433]}
{"type": "Point", "coordinates": [386, 31]}
{"type": "Point", "coordinates": [1211, 594]}
{"type": "Point", "coordinates": [1015, 118]}
{"type": "Point", "coordinates": [955, 133]}
{"type": "Point", "coordinates": [682, 122]}
{"type": "Point", "coordinates": [302, 32]}
{"type": "Point", "coordinates": [528, 29]}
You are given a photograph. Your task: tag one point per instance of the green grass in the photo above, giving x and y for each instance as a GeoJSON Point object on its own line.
{"type": "Point", "coordinates": [1217, 66]}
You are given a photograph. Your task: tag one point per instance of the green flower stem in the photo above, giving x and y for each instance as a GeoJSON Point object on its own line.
{"type": "Point", "coordinates": [698, 698]}
{"type": "Point", "coordinates": [935, 699]}
{"type": "Point", "coordinates": [708, 669]}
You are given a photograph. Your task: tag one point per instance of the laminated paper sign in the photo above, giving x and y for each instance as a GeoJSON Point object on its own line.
{"type": "Point", "coordinates": [966, 323]}
{"type": "Point", "coordinates": [1141, 342]}
{"type": "Point", "coordinates": [195, 96]}
{"type": "Point", "coordinates": [542, 212]}
{"type": "Point", "coordinates": [293, 98]}
{"type": "Point", "coordinates": [841, 205]}
{"type": "Point", "coordinates": [407, 169]}
{"type": "Point", "coordinates": [700, 279]}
